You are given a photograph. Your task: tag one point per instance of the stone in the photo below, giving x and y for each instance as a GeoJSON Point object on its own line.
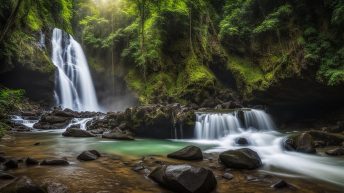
{"type": "Point", "coordinates": [2, 158]}
{"type": "Point", "coordinates": [87, 156]}
{"type": "Point", "coordinates": [187, 153]}
{"type": "Point", "coordinates": [30, 161]}
{"type": "Point", "coordinates": [304, 143]}
{"type": "Point", "coordinates": [76, 132]}
{"type": "Point", "coordinates": [55, 162]}
{"type": "Point", "coordinates": [228, 176]}
{"type": "Point", "coordinates": [118, 134]}
{"type": "Point", "coordinates": [5, 176]}
{"type": "Point", "coordinates": [241, 141]}
{"type": "Point", "coordinates": [240, 159]}
{"type": "Point", "coordinates": [54, 187]}
{"type": "Point", "coordinates": [335, 152]}
{"type": "Point", "coordinates": [280, 184]}
{"type": "Point", "coordinates": [22, 185]}
{"type": "Point", "coordinates": [184, 178]}
{"type": "Point", "coordinates": [11, 164]}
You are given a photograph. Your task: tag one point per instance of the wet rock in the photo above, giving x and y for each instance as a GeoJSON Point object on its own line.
{"type": "Point", "coordinates": [228, 176]}
{"type": "Point", "coordinates": [21, 128]}
{"type": "Point", "coordinates": [52, 122]}
{"type": "Point", "coordinates": [304, 143]}
{"type": "Point", "coordinates": [188, 153]}
{"type": "Point", "coordinates": [97, 131]}
{"type": "Point", "coordinates": [301, 143]}
{"type": "Point", "coordinates": [118, 134]}
{"type": "Point", "coordinates": [22, 185]}
{"type": "Point", "coordinates": [76, 132]}
{"type": "Point", "coordinates": [11, 164]}
{"type": "Point", "coordinates": [331, 139]}
{"type": "Point", "coordinates": [240, 159]}
{"type": "Point", "coordinates": [184, 178]}
{"type": "Point", "coordinates": [336, 152]}
{"type": "Point", "coordinates": [241, 117]}
{"type": "Point", "coordinates": [318, 144]}
{"type": "Point", "coordinates": [241, 141]}
{"type": "Point", "coordinates": [252, 178]}
{"type": "Point", "coordinates": [138, 168]}
{"type": "Point", "coordinates": [54, 162]}
{"type": "Point", "coordinates": [95, 152]}
{"type": "Point", "coordinates": [30, 161]}
{"type": "Point", "coordinates": [54, 187]}
{"type": "Point", "coordinates": [5, 176]}
{"type": "Point", "coordinates": [88, 155]}
{"type": "Point", "coordinates": [280, 184]}
{"type": "Point", "coordinates": [37, 143]}
{"type": "Point", "coordinates": [2, 158]}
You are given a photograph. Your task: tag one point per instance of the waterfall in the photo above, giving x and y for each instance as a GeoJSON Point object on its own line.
{"type": "Point", "coordinates": [73, 83]}
{"type": "Point", "coordinates": [218, 125]}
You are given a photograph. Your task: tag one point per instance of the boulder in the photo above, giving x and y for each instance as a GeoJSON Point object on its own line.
{"type": "Point", "coordinates": [30, 161]}
{"type": "Point", "coordinates": [88, 155]}
{"type": "Point", "coordinates": [305, 143]}
{"type": "Point", "coordinates": [76, 132]}
{"type": "Point", "coordinates": [54, 162]}
{"type": "Point", "coordinates": [118, 134]}
{"type": "Point", "coordinates": [187, 153]}
{"type": "Point", "coordinates": [241, 141]}
{"type": "Point", "coordinates": [11, 164]}
{"type": "Point", "coordinates": [5, 176]}
{"type": "Point", "coordinates": [301, 143]}
{"type": "Point", "coordinates": [22, 185]}
{"type": "Point", "coordinates": [331, 139]}
{"type": "Point", "coordinates": [54, 187]}
{"type": "Point", "coordinates": [184, 178]}
{"type": "Point", "coordinates": [335, 152]}
{"type": "Point", "coordinates": [240, 159]}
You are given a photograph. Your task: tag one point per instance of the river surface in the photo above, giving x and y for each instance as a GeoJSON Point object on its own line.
{"type": "Point", "coordinates": [313, 171]}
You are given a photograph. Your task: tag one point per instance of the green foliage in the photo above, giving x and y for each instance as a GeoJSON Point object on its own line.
{"type": "Point", "coordinates": [10, 100]}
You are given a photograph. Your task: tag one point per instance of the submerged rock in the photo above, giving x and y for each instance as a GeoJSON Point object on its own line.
{"type": "Point", "coordinates": [228, 176]}
{"type": "Point", "coordinates": [76, 132]}
{"type": "Point", "coordinates": [336, 152]}
{"type": "Point", "coordinates": [55, 162]}
{"type": "Point", "coordinates": [54, 187]}
{"type": "Point", "coordinates": [240, 159]}
{"type": "Point", "coordinates": [184, 178]}
{"type": "Point", "coordinates": [22, 185]}
{"type": "Point", "coordinates": [31, 161]}
{"type": "Point", "coordinates": [89, 155]}
{"type": "Point", "coordinates": [187, 153]}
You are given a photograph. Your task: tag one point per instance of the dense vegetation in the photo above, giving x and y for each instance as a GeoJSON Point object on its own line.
{"type": "Point", "coordinates": [192, 51]}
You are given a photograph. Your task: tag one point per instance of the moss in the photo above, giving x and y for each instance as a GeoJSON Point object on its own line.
{"type": "Point", "coordinates": [33, 20]}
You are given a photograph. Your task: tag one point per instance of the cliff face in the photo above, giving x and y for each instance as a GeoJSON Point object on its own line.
{"type": "Point", "coordinates": [283, 54]}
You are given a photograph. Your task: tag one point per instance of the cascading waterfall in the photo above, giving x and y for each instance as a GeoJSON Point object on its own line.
{"type": "Point", "coordinates": [74, 87]}
{"type": "Point", "coordinates": [218, 125]}
{"type": "Point", "coordinates": [256, 126]}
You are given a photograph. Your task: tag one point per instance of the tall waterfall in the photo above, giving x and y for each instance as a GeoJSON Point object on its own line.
{"type": "Point", "coordinates": [73, 84]}
{"type": "Point", "coordinates": [218, 125]}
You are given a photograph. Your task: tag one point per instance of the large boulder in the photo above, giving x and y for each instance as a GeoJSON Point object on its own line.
{"type": "Point", "coordinates": [187, 153]}
{"type": "Point", "coordinates": [331, 139]}
{"type": "Point", "coordinates": [240, 159]}
{"type": "Point", "coordinates": [301, 143]}
{"type": "Point", "coordinates": [184, 178]}
{"type": "Point", "coordinates": [76, 132]}
{"type": "Point", "coordinates": [118, 134]}
{"type": "Point", "coordinates": [22, 185]}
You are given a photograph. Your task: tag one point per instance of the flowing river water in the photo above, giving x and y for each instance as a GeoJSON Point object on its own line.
{"type": "Point", "coordinates": [214, 133]}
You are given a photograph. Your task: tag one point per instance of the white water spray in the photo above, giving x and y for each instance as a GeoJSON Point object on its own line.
{"type": "Point", "coordinates": [223, 129]}
{"type": "Point", "coordinates": [74, 85]}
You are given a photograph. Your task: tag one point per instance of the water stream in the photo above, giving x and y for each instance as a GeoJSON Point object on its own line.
{"type": "Point", "coordinates": [223, 129]}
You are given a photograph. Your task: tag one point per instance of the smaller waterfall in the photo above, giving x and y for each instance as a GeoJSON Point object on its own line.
{"type": "Point", "coordinates": [218, 125]}
{"type": "Point", "coordinates": [74, 85]}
